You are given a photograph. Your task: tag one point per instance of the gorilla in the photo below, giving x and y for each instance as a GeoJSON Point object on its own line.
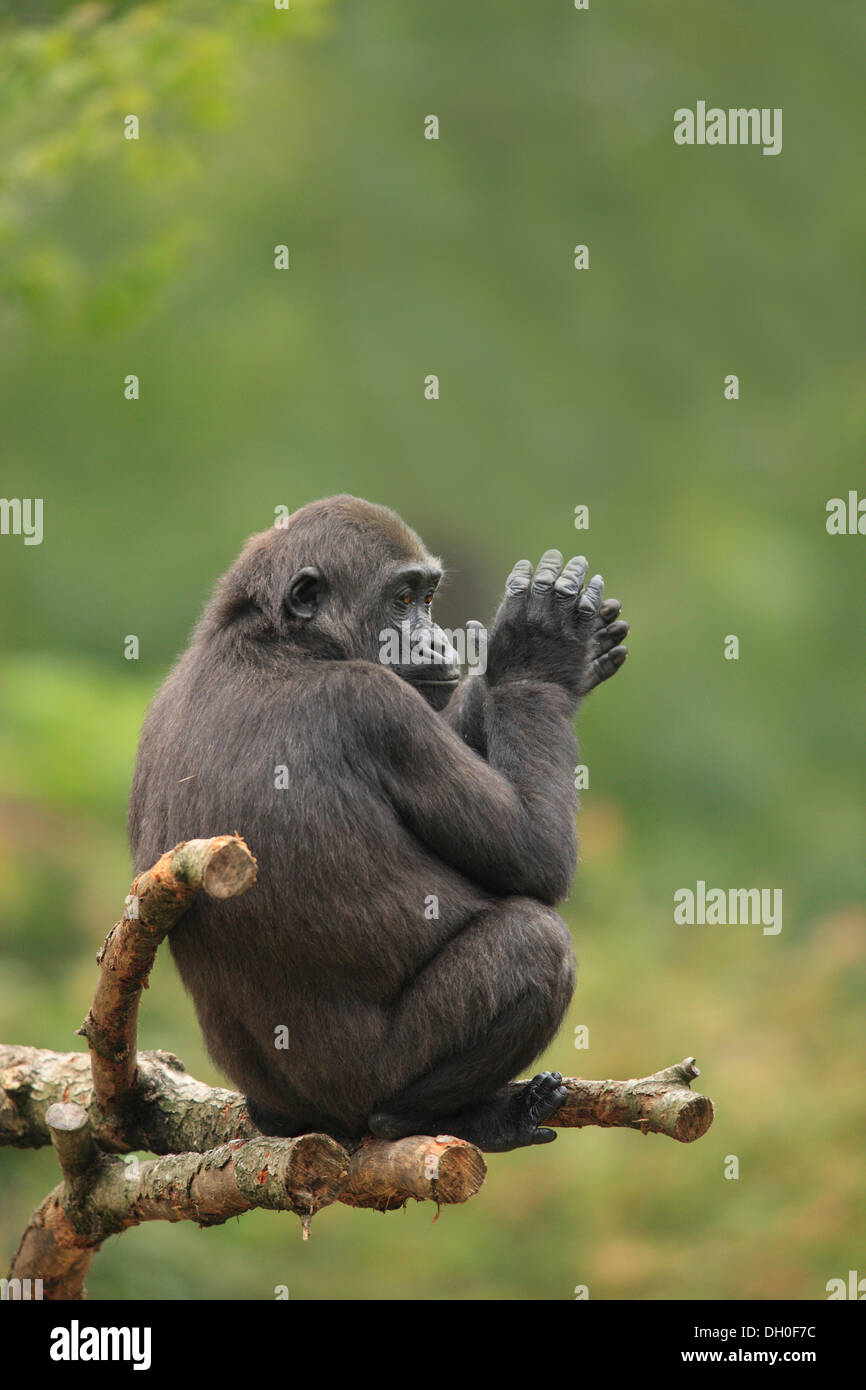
{"type": "Point", "coordinates": [413, 830]}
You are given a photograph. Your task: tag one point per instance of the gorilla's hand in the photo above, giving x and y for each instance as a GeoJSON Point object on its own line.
{"type": "Point", "coordinates": [552, 626]}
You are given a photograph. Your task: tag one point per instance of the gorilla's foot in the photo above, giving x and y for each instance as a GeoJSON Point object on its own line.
{"type": "Point", "coordinates": [507, 1120]}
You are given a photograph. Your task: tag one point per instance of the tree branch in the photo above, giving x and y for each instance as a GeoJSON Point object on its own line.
{"type": "Point", "coordinates": [169, 1110]}
{"type": "Point", "coordinates": [224, 868]}
{"type": "Point", "coordinates": [173, 1111]}
{"type": "Point", "coordinates": [101, 1195]}
{"type": "Point", "coordinates": [215, 1164]}
{"type": "Point", "coordinates": [385, 1174]}
{"type": "Point", "coordinates": [657, 1104]}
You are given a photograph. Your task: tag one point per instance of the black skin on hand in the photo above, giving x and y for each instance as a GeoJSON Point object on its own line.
{"type": "Point", "coordinates": [413, 833]}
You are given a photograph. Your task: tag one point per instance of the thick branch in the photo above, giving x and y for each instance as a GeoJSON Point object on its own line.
{"type": "Point", "coordinates": [384, 1175]}
{"type": "Point", "coordinates": [73, 1141]}
{"type": "Point", "coordinates": [51, 1253]}
{"type": "Point", "coordinates": [172, 1111]}
{"type": "Point", "coordinates": [657, 1104]}
{"type": "Point", "coordinates": [224, 868]}
{"type": "Point", "coordinates": [108, 1196]}
{"type": "Point", "coordinates": [50, 1250]}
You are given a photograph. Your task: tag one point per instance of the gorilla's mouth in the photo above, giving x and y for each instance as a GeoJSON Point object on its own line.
{"type": "Point", "coordinates": [437, 690]}
{"type": "Point", "coordinates": [436, 687]}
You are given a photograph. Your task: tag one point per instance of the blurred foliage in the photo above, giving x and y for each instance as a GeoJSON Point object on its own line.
{"type": "Point", "coordinates": [558, 387]}
{"type": "Point", "coordinates": [66, 89]}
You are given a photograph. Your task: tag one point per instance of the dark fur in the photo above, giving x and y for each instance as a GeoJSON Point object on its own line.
{"type": "Point", "coordinates": [388, 802]}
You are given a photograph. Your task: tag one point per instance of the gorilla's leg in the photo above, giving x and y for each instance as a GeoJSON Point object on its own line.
{"type": "Point", "coordinates": [477, 1015]}
{"type": "Point", "coordinates": [272, 1103]}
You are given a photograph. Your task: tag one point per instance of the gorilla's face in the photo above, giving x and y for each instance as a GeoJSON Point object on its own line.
{"type": "Point", "coordinates": [382, 616]}
{"type": "Point", "coordinates": [411, 643]}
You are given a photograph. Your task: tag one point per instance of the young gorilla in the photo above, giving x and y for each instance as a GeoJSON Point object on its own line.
{"type": "Point", "coordinates": [400, 1023]}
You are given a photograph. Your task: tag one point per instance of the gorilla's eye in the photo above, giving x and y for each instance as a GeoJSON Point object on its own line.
{"type": "Point", "coordinates": [428, 599]}
{"type": "Point", "coordinates": [406, 599]}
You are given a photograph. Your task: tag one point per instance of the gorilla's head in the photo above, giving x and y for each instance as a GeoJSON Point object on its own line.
{"type": "Point", "coordinates": [341, 579]}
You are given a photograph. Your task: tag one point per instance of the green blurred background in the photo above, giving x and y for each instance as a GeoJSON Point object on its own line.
{"type": "Point", "coordinates": [558, 387]}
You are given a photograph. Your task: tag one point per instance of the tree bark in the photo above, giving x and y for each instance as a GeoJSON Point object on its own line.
{"type": "Point", "coordinates": [215, 1164]}
{"type": "Point", "coordinates": [657, 1104]}
{"type": "Point", "coordinates": [223, 867]}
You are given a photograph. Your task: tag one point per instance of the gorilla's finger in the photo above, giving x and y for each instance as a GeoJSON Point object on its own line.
{"type": "Point", "coordinates": [570, 582]}
{"type": "Point", "coordinates": [543, 1136]}
{"type": "Point", "coordinates": [547, 569]}
{"type": "Point", "coordinates": [590, 602]}
{"type": "Point", "coordinates": [516, 590]}
{"type": "Point", "coordinates": [610, 636]}
{"type": "Point", "coordinates": [606, 665]}
{"type": "Point", "coordinates": [610, 609]}
{"type": "Point", "coordinates": [520, 577]}
{"type": "Point", "coordinates": [546, 573]}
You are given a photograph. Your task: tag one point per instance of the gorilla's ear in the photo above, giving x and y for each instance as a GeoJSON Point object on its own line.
{"type": "Point", "coordinates": [304, 593]}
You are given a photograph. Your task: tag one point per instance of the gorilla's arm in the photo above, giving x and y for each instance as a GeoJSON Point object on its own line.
{"type": "Point", "coordinates": [508, 823]}
{"type": "Point", "coordinates": [466, 712]}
